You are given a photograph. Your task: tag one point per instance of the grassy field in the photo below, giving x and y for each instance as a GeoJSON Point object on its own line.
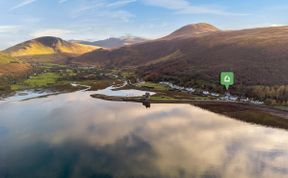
{"type": "Point", "coordinates": [153, 86]}
{"type": "Point", "coordinates": [96, 84]}
{"type": "Point", "coordinates": [38, 81]}
{"type": "Point", "coordinates": [57, 77]}
{"type": "Point", "coordinates": [161, 98]}
{"type": "Point", "coordinates": [48, 65]}
{"type": "Point", "coordinates": [127, 74]}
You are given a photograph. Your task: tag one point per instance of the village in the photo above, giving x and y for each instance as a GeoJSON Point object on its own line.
{"type": "Point", "coordinates": [226, 97]}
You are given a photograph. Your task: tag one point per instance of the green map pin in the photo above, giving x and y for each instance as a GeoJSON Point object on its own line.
{"type": "Point", "coordinates": [227, 79]}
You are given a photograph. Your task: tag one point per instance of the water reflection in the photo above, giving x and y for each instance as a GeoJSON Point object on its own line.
{"type": "Point", "coordinates": [74, 135]}
{"type": "Point", "coordinates": [147, 104]}
{"type": "Point", "coordinates": [110, 91]}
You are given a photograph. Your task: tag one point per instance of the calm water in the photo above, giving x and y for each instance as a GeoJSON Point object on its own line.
{"type": "Point", "coordinates": [76, 136]}
{"type": "Point", "coordinates": [126, 93]}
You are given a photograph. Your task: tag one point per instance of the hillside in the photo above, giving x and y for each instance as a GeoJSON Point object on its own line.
{"type": "Point", "coordinates": [111, 43]}
{"type": "Point", "coordinates": [6, 59]}
{"type": "Point", "coordinates": [12, 66]}
{"type": "Point", "coordinates": [48, 49]}
{"type": "Point", "coordinates": [257, 56]}
{"type": "Point", "coordinates": [190, 31]}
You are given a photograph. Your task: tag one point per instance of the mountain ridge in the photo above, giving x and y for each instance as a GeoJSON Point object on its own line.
{"type": "Point", "coordinates": [113, 42]}
{"type": "Point", "coordinates": [258, 56]}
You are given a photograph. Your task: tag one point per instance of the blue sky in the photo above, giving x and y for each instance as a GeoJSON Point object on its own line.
{"type": "Point", "coordinates": [98, 19]}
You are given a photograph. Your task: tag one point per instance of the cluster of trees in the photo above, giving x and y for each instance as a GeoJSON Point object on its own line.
{"type": "Point", "coordinates": [270, 94]}
{"type": "Point", "coordinates": [197, 81]}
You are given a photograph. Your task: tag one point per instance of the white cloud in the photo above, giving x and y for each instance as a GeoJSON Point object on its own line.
{"type": "Point", "coordinates": [118, 4]}
{"type": "Point", "coordinates": [106, 9]}
{"type": "Point", "coordinates": [51, 32]}
{"type": "Point", "coordinates": [87, 7]}
{"type": "Point", "coordinates": [185, 7]}
{"type": "Point", "coordinates": [104, 5]}
{"type": "Point", "coordinates": [9, 28]}
{"type": "Point", "coordinates": [278, 25]}
{"type": "Point", "coordinates": [22, 4]}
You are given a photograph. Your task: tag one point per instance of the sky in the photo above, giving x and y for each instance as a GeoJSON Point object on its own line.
{"type": "Point", "coordinates": [99, 19]}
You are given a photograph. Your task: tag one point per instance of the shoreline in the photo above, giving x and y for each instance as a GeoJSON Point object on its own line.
{"type": "Point", "coordinates": [183, 101]}
{"type": "Point", "coordinates": [250, 113]}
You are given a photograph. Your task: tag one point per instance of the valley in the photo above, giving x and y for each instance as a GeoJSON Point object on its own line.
{"type": "Point", "coordinates": [194, 56]}
{"type": "Point", "coordinates": [60, 78]}
{"type": "Point", "coordinates": [143, 89]}
{"type": "Point", "coordinates": [178, 74]}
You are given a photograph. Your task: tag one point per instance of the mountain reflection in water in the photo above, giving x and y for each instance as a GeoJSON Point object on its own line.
{"type": "Point", "coordinates": [74, 135]}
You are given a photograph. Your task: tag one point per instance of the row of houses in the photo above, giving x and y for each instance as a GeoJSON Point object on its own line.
{"type": "Point", "coordinates": [190, 90]}
{"type": "Point", "coordinates": [226, 97]}
{"type": "Point", "coordinates": [176, 87]}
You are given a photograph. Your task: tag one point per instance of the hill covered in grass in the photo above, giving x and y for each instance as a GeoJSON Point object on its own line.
{"type": "Point", "coordinates": [12, 66]}
{"type": "Point", "coordinates": [48, 49]}
{"type": "Point", "coordinates": [6, 59]}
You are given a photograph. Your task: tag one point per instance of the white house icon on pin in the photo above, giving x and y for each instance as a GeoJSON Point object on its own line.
{"type": "Point", "coordinates": [227, 79]}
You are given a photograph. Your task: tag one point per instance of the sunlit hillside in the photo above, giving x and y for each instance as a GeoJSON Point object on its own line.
{"type": "Point", "coordinates": [5, 59]}
{"type": "Point", "coordinates": [12, 66]}
{"type": "Point", "coordinates": [202, 51]}
{"type": "Point", "coordinates": [41, 49]}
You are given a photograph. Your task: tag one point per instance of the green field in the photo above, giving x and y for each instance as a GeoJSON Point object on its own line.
{"type": "Point", "coordinates": [96, 84]}
{"type": "Point", "coordinates": [38, 81]}
{"type": "Point", "coordinates": [161, 98]}
{"type": "Point", "coordinates": [48, 65]}
{"type": "Point", "coordinates": [154, 86]}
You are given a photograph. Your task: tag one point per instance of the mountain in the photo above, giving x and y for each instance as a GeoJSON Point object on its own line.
{"type": "Point", "coordinates": [257, 56]}
{"type": "Point", "coordinates": [12, 66]}
{"type": "Point", "coordinates": [193, 30]}
{"type": "Point", "coordinates": [112, 43]}
{"type": "Point", "coordinates": [48, 49]}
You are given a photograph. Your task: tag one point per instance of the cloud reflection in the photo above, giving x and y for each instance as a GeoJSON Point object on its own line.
{"type": "Point", "coordinates": [170, 140]}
